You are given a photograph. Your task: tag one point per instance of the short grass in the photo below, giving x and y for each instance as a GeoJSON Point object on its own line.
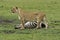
{"type": "Point", "coordinates": [50, 7]}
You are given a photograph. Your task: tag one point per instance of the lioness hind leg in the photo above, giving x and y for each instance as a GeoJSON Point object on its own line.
{"type": "Point", "coordinates": [45, 22]}
{"type": "Point", "coordinates": [38, 23]}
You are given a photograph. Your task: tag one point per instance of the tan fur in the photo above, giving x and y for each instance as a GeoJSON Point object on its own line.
{"type": "Point", "coordinates": [29, 16]}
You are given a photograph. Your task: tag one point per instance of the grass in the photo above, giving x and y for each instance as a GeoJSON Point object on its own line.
{"type": "Point", "coordinates": [50, 7]}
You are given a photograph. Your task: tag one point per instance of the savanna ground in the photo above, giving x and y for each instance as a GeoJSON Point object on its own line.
{"type": "Point", "coordinates": [8, 21]}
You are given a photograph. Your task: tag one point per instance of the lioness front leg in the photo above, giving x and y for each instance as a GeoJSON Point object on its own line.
{"type": "Point", "coordinates": [22, 22]}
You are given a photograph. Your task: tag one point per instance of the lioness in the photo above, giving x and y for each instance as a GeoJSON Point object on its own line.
{"type": "Point", "coordinates": [29, 16]}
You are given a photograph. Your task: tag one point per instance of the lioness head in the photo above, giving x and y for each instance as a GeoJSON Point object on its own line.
{"type": "Point", "coordinates": [14, 9]}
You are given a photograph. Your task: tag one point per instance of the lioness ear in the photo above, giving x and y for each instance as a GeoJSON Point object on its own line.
{"type": "Point", "coordinates": [16, 7]}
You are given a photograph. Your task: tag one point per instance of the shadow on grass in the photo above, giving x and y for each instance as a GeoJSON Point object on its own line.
{"type": "Point", "coordinates": [6, 21]}
{"type": "Point", "coordinates": [13, 31]}
{"type": "Point", "coordinates": [55, 22]}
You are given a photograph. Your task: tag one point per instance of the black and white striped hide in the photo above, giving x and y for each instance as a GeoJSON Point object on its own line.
{"type": "Point", "coordinates": [27, 25]}
{"type": "Point", "coordinates": [30, 24]}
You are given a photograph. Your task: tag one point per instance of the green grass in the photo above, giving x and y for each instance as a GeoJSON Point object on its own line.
{"type": "Point", "coordinates": [50, 7]}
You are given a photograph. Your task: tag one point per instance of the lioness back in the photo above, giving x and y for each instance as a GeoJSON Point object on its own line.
{"type": "Point", "coordinates": [32, 16]}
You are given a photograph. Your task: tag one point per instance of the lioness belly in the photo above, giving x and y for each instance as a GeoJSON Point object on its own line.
{"type": "Point", "coordinates": [30, 18]}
